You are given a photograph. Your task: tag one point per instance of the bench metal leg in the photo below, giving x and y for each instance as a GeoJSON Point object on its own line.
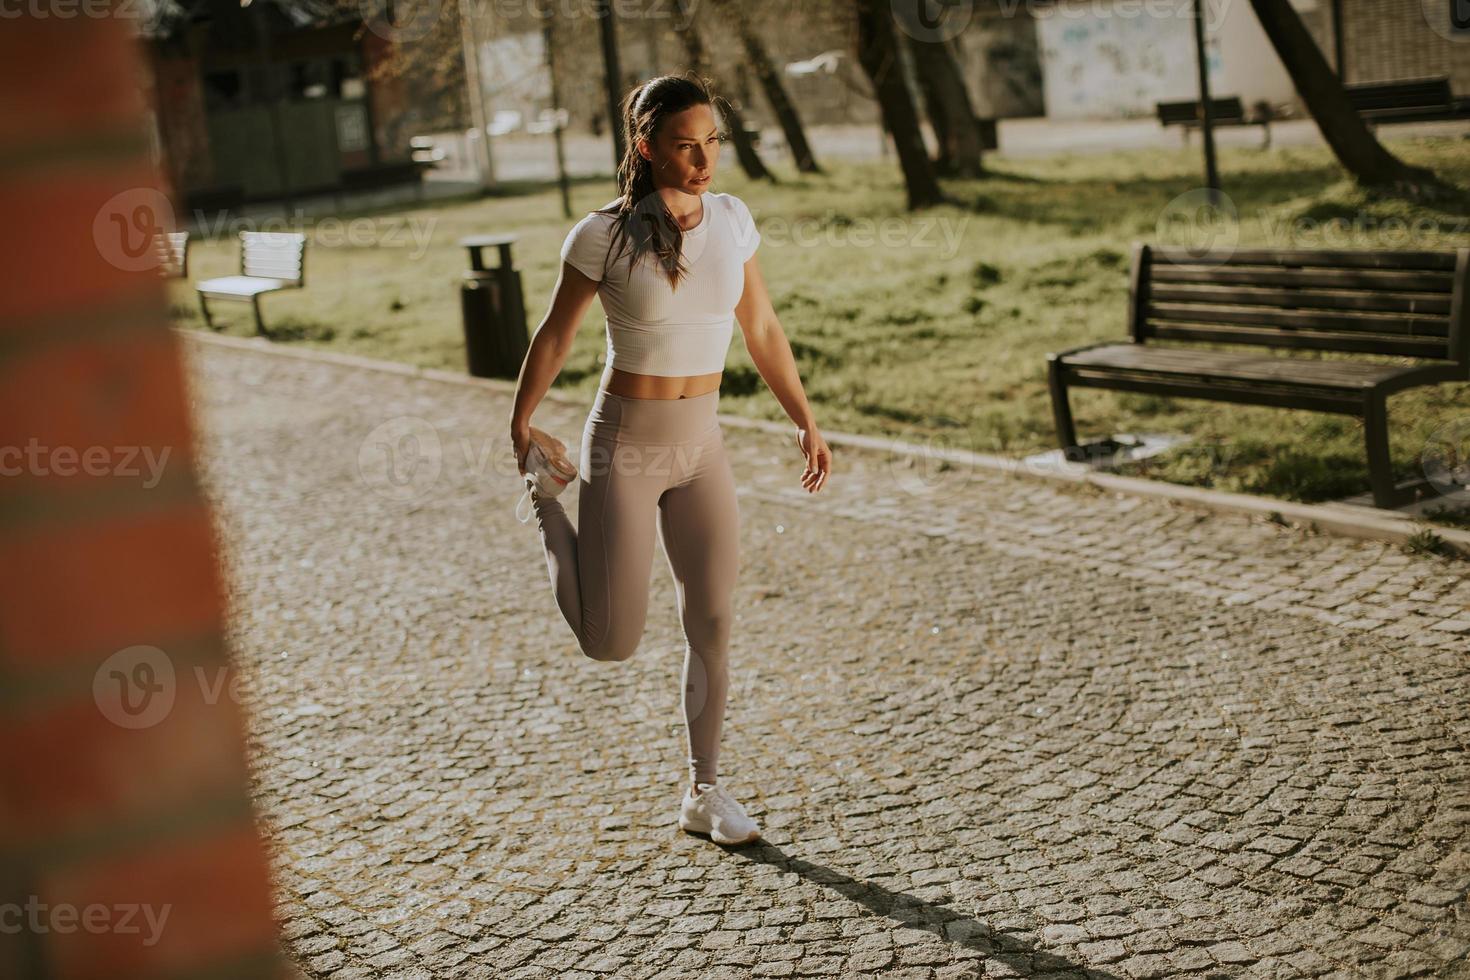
{"type": "Point", "coordinates": [204, 306]}
{"type": "Point", "coordinates": [1061, 411]}
{"type": "Point", "coordinates": [255, 304]}
{"type": "Point", "coordinates": [1380, 468]}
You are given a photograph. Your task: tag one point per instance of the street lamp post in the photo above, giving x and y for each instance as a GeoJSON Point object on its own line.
{"type": "Point", "coordinates": [1207, 121]}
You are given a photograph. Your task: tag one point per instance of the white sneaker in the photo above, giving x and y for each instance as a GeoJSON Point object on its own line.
{"type": "Point", "coordinates": [715, 812]}
{"type": "Point", "coordinates": [548, 470]}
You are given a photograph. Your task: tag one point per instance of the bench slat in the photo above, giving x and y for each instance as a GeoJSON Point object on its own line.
{"type": "Point", "coordinates": [1226, 365]}
{"type": "Point", "coordinates": [1410, 326]}
{"type": "Point", "coordinates": [1238, 392]}
{"type": "Point", "coordinates": [1421, 303]}
{"type": "Point", "coordinates": [1364, 343]}
{"type": "Point", "coordinates": [1388, 280]}
{"type": "Point", "coordinates": [279, 270]}
{"type": "Point", "coordinates": [1322, 257]}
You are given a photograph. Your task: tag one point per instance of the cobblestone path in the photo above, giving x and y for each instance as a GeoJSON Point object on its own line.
{"type": "Point", "coordinates": [991, 727]}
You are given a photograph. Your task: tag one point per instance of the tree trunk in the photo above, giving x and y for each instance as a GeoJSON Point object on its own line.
{"type": "Point", "coordinates": [772, 86]}
{"type": "Point", "coordinates": [745, 152]}
{"type": "Point", "coordinates": [877, 46]}
{"type": "Point", "coordinates": [1344, 130]}
{"type": "Point", "coordinates": [612, 74]}
{"type": "Point", "coordinates": [950, 112]}
{"type": "Point", "coordinates": [933, 106]}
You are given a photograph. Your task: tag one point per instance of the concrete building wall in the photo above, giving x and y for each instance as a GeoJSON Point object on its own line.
{"type": "Point", "coordinates": [1102, 60]}
{"type": "Point", "coordinates": [1110, 58]}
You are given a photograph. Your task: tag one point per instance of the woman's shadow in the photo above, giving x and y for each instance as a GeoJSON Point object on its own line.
{"type": "Point", "coordinates": [910, 910]}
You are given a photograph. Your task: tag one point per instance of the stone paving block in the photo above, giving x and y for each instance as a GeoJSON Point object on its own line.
{"type": "Point", "coordinates": [979, 744]}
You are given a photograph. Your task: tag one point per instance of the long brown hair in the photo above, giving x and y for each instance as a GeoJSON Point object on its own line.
{"type": "Point", "coordinates": [644, 221]}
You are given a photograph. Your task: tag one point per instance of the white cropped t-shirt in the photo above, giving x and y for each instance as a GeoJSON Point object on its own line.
{"type": "Point", "coordinates": [651, 327]}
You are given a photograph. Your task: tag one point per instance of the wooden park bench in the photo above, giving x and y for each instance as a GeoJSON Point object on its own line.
{"type": "Point", "coordinates": [269, 261]}
{"type": "Point", "coordinates": [1410, 304]}
{"type": "Point", "coordinates": [1227, 111]}
{"type": "Point", "coordinates": [1407, 101]}
{"type": "Point", "coordinates": [172, 251]}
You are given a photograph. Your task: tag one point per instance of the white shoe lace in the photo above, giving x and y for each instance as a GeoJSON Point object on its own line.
{"type": "Point", "coordinates": [722, 803]}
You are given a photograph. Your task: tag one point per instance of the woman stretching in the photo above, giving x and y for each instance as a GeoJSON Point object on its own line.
{"type": "Point", "coordinates": [673, 265]}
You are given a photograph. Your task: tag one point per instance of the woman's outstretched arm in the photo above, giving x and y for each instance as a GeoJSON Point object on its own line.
{"type": "Point", "coordinates": [771, 352]}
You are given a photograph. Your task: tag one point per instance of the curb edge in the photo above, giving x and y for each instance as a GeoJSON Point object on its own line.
{"type": "Point", "coordinates": [1349, 520]}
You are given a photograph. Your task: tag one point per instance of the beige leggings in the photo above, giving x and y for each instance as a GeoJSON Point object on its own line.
{"type": "Point", "coordinates": [646, 461]}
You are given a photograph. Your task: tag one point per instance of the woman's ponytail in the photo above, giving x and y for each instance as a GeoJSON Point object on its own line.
{"type": "Point", "coordinates": [644, 221]}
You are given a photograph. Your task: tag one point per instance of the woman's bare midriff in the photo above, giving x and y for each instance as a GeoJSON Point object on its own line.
{"type": "Point", "coordinates": [630, 385]}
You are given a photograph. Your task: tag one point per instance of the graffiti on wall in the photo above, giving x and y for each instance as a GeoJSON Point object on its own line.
{"type": "Point", "coordinates": [1100, 61]}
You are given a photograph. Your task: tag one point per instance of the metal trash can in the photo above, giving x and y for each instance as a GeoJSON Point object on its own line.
{"type": "Point", "coordinates": [494, 309]}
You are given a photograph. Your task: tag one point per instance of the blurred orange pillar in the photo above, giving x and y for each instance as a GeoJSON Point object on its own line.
{"type": "Point", "coordinates": [128, 844]}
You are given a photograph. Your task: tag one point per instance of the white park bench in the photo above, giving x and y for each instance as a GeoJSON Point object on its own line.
{"type": "Point", "coordinates": [269, 261]}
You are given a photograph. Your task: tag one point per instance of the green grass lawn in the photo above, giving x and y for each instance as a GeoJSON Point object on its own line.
{"type": "Point", "coordinates": [927, 326]}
